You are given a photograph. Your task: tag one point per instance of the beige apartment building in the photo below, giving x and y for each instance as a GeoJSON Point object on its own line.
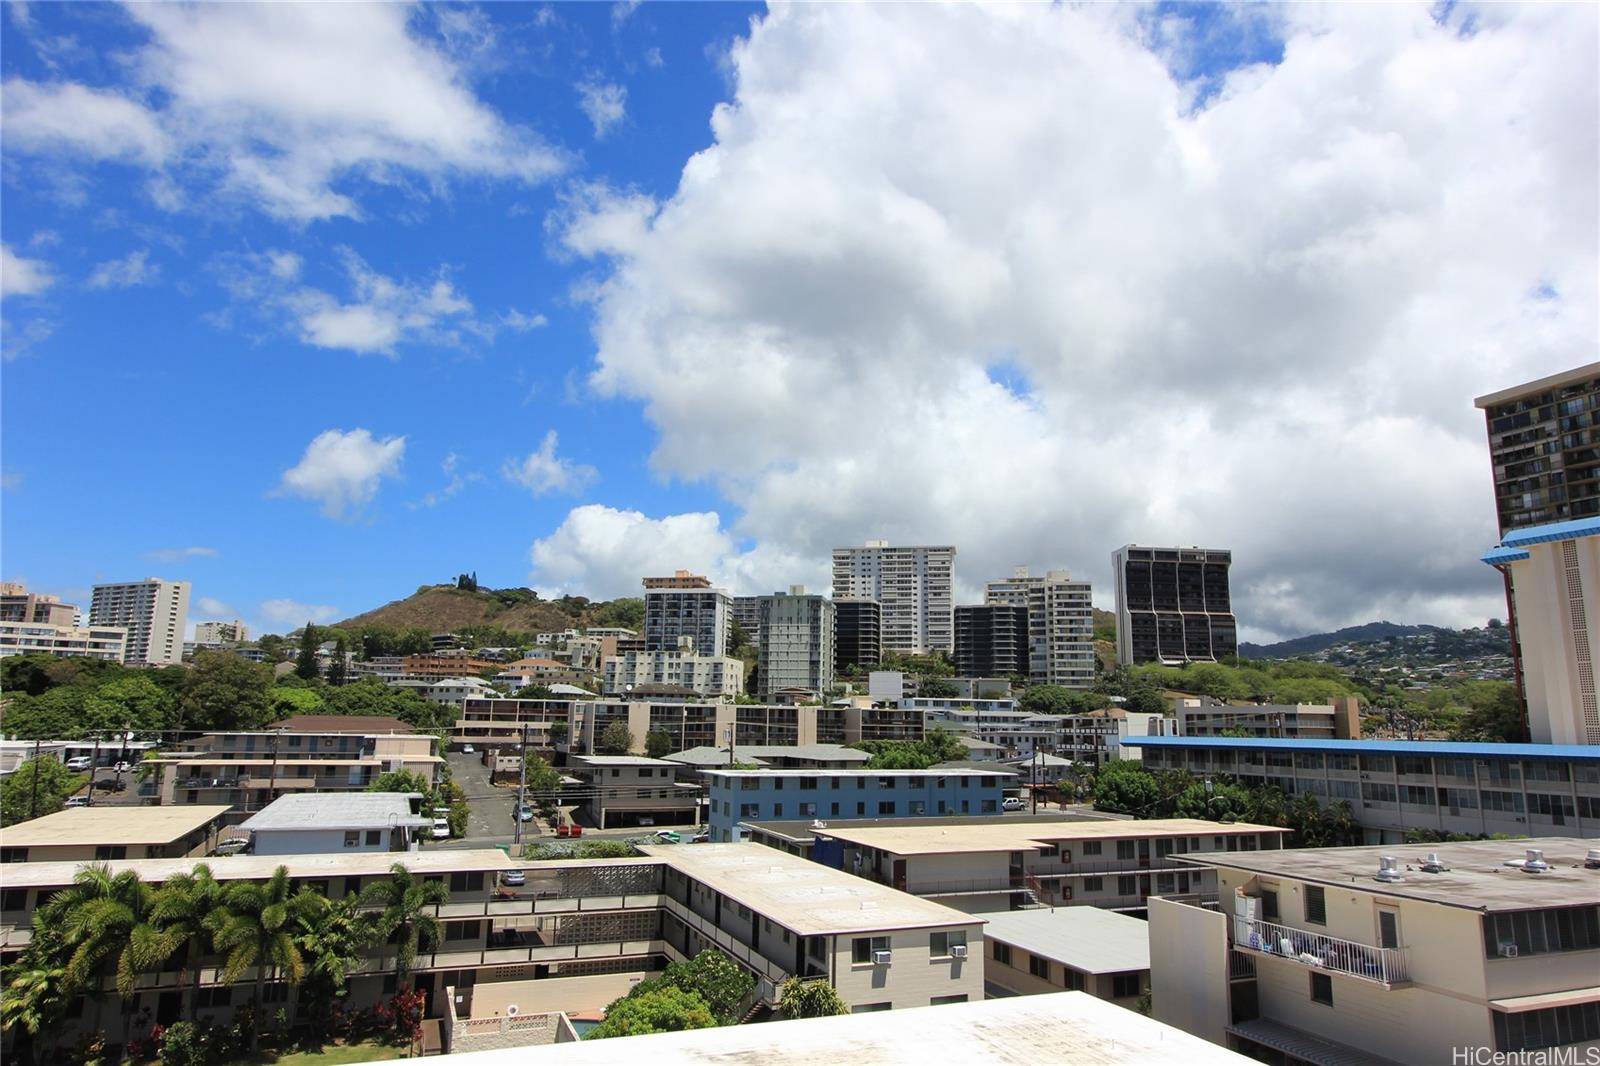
{"type": "Point", "coordinates": [1393, 954]}
{"type": "Point", "coordinates": [107, 643]}
{"type": "Point", "coordinates": [1002, 864]}
{"type": "Point", "coordinates": [86, 834]}
{"type": "Point", "coordinates": [154, 613]}
{"type": "Point", "coordinates": [913, 587]}
{"type": "Point", "coordinates": [246, 771]}
{"type": "Point", "coordinates": [17, 604]}
{"type": "Point", "coordinates": [718, 677]}
{"type": "Point", "coordinates": [539, 944]}
{"type": "Point", "coordinates": [624, 790]}
{"type": "Point", "coordinates": [1080, 949]}
{"type": "Point", "coordinates": [1202, 716]}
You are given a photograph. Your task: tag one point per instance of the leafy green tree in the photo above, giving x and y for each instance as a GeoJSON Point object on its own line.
{"type": "Point", "coordinates": [721, 983]}
{"type": "Point", "coordinates": [401, 781]}
{"type": "Point", "coordinates": [1493, 714]}
{"type": "Point", "coordinates": [664, 1010]}
{"type": "Point", "coordinates": [614, 740]}
{"type": "Point", "coordinates": [657, 744]}
{"type": "Point", "coordinates": [28, 675]}
{"type": "Point", "coordinates": [56, 713]}
{"type": "Point", "coordinates": [286, 701]}
{"type": "Point", "coordinates": [408, 919]}
{"type": "Point", "coordinates": [542, 780]}
{"type": "Point", "coordinates": [36, 999]}
{"type": "Point", "coordinates": [133, 700]}
{"type": "Point", "coordinates": [811, 999]}
{"type": "Point", "coordinates": [1046, 699]}
{"type": "Point", "coordinates": [1145, 698]}
{"type": "Point", "coordinates": [18, 799]}
{"type": "Point", "coordinates": [333, 942]}
{"type": "Point", "coordinates": [1126, 787]}
{"type": "Point", "coordinates": [104, 917]}
{"type": "Point", "coordinates": [225, 692]}
{"type": "Point", "coordinates": [255, 927]}
{"type": "Point", "coordinates": [937, 688]}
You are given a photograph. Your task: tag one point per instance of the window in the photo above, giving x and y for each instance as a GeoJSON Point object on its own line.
{"type": "Point", "coordinates": [1322, 989]}
{"type": "Point", "coordinates": [939, 944]}
{"type": "Point", "coordinates": [862, 947]}
{"type": "Point", "coordinates": [886, 806]}
{"type": "Point", "coordinates": [111, 851]}
{"type": "Point", "coordinates": [1091, 847]}
{"type": "Point", "coordinates": [835, 810]}
{"type": "Point", "coordinates": [808, 810]}
{"type": "Point", "coordinates": [1551, 1027]}
{"type": "Point", "coordinates": [861, 809]}
{"type": "Point", "coordinates": [207, 998]}
{"type": "Point", "coordinates": [13, 854]}
{"type": "Point", "coordinates": [1542, 932]}
{"type": "Point", "coordinates": [1316, 905]}
{"type": "Point", "coordinates": [990, 806]}
{"type": "Point", "coordinates": [1388, 929]}
{"type": "Point", "coordinates": [466, 882]}
{"type": "Point", "coordinates": [352, 838]}
{"type": "Point", "coordinates": [1002, 954]}
{"type": "Point", "coordinates": [1127, 885]}
{"type": "Point", "coordinates": [777, 810]}
{"type": "Point", "coordinates": [808, 783]}
{"type": "Point", "coordinates": [1126, 849]}
{"type": "Point", "coordinates": [14, 899]}
{"type": "Point", "coordinates": [1125, 985]}
{"type": "Point", "coordinates": [1040, 968]}
{"type": "Point", "coordinates": [1093, 884]}
{"type": "Point", "coordinates": [749, 810]}
{"type": "Point", "coordinates": [1071, 980]}
{"type": "Point", "coordinates": [1269, 904]}
{"type": "Point", "coordinates": [869, 1008]}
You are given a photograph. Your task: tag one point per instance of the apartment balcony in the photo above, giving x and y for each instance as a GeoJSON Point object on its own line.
{"type": "Point", "coordinates": [1315, 951]}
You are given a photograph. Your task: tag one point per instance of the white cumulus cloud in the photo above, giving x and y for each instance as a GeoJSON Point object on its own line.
{"type": "Point", "coordinates": [20, 276]}
{"type": "Point", "coordinates": [342, 470]}
{"type": "Point", "coordinates": [132, 269]}
{"type": "Point", "coordinates": [605, 104]}
{"type": "Point", "coordinates": [292, 107]}
{"type": "Point", "coordinates": [1082, 300]}
{"type": "Point", "coordinates": [543, 471]}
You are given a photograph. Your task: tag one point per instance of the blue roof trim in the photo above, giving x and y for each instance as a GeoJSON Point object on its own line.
{"type": "Point", "coordinates": [1445, 748]}
{"type": "Point", "coordinates": [1497, 556]}
{"type": "Point", "coordinates": [1578, 527]}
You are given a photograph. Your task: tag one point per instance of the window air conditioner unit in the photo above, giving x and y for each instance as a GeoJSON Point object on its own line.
{"type": "Point", "coordinates": [958, 951]}
{"type": "Point", "coordinates": [882, 958]}
{"type": "Point", "coordinates": [1507, 949]}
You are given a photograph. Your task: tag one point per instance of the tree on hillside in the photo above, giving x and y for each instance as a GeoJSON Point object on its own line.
{"type": "Point", "coordinates": [657, 744]}
{"type": "Point", "coordinates": [664, 1010]}
{"type": "Point", "coordinates": [614, 740]}
{"type": "Point", "coordinates": [20, 800]}
{"type": "Point", "coordinates": [224, 692]}
{"type": "Point", "coordinates": [1046, 699]}
{"type": "Point", "coordinates": [305, 664]}
{"type": "Point", "coordinates": [937, 688]}
{"type": "Point", "coordinates": [811, 999]}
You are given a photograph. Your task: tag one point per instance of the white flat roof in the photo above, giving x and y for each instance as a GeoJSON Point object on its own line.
{"type": "Point", "coordinates": [1085, 938]}
{"type": "Point", "coordinates": [621, 760]}
{"type": "Point", "coordinates": [858, 772]}
{"type": "Point", "coordinates": [1018, 1031]}
{"type": "Point", "coordinates": [336, 810]}
{"type": "Point", "coordinates": [806, 897]}
{"type": "Point", "coordinates": [261, 867]}
{"type": "Point", "coordinates": [1004, 834]}
{"type": "Point", "coordinates": [83, 826]}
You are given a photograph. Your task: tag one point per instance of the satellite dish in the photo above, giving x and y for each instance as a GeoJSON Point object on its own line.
{"type": "Point", "coordinates": [511, 1010]}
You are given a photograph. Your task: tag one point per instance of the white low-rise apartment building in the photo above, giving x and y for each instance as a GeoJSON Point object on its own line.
{"type": "Point", "coordinates": [106, 643]}
{"type": "Point", "coordinates": [1411, 953]}
{"type": "Point", "coordinates": [998, 864]}
{"type": "Point", "coordinates": [1080, 949]}
{"type": "Point", "coordinates": [718, 677]}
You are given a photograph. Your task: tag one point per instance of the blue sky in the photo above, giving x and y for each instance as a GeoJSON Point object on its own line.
{"type": "Point", "coordinates": [313, 304]}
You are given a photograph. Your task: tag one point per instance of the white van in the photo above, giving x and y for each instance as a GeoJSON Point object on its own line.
{"type": "Point", "coordinates": [79, 763]}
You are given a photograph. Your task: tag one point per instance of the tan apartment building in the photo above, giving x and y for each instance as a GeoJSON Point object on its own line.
{"type": "Point", "coordinates": [1419, 953]}
{"type": "Point", "coordinates": [775, 915]}
{"type": "Point", "coordinates": [1202, 716]}
{"type": "Point", "coordinates": [87, 834]}
{"type": "Point", "coordinates": [17, 604]}
{"type": "Point", "coordinates": [107, 643]}
{"type": "Point", "coordinates": [1079, 949]}
{"type": "Point", "coordinates": [1000, 864]}
{"type": "Point", "coordinates": [623, 790]}
{"type": "Point", "coordinates": [154, 613]}
{"type": "Point", "coordinates": [245, 771]}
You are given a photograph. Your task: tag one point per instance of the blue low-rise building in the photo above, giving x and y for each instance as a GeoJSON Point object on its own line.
{"type": "Point", "coordinates": [839, 795]}
{"type": "Point", "coordinates": [1397, 786]}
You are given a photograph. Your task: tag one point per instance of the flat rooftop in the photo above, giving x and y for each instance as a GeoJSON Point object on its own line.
{"type": "Point", "coordinates": [261, 867]}
{"type": "Point", "coordinates": [1013, 834]}
{"type": "Point", "coordinates": [1554, 381]}
{"type": "Point", "coordinates": [806, 897]}
{"type": "Point", "coordinates": [804, 830]}
{"type": "Point", "coordinates": [806, 772]}
{"type": "Point", "coordinates": [1087, 939]}
{"type": "Point", "coordinates": [1018, 1031]}
{"type": "Point", "coordinates": [580, 761]}
{"type": "Point", "coordinates": [1477, 879]}
{"type": "Point", "coordinates": [335, 810]}
{"type": "Point", "coordinates": [712, 757]}
{"type": "Point", "coordinates": [1445, 748]}
{"type": "Point", "coordinates": [85, 826]}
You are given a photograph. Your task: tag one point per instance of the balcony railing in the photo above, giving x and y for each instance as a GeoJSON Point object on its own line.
{"type": "Point", "coordinates": [1385, 966]}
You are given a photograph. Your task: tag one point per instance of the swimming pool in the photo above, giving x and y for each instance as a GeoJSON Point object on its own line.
{"type": "Point", "coordinates": [583, 1025]}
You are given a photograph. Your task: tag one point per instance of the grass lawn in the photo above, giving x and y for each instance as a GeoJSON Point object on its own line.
{"type": "Point", "coordinates": [338, 1054]}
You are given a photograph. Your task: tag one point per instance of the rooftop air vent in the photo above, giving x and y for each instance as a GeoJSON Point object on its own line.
{"type": "Point", "coordinates": [1433, 865]}
{"type": "Point", "coordinates": [1534, 863]}
{"type": "Point", "coordinates": [1389, 869]}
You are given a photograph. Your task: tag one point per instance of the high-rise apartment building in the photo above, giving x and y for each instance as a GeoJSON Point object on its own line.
{"type": "Point", "coordinates": [218, 633]}
{"type": "Point", "coordinates": [153, 611]}
{"type": "Point", "coordinates": [913, 587]}
{"type": "Point", "coordinates": [685, 605]}
{"type": "Point", "coordinates": [796, 642]}
{"type": "Point", "coordinates": [991, 640]}
{"type": "Point", "coordinates": [1060, 624]}
{"type": "Point", "coordinates": [17, 604]}
{"type": "Point", "coordinates": [857, 634]}
{"type": "Point", "coordinates": [747, 612]}
{"type": "Point", "coordinates": [1173, 605]}
{"type": "Point", "coordinates": [1544, 448]}
{"type": "Point", "coordinates": [1553, 577]}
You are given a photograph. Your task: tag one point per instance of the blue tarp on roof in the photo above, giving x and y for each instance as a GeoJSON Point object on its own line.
{"type": "Point", "coordinates": [1442, 748]}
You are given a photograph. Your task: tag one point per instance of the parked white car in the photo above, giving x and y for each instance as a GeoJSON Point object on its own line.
{"type": "Point", "coordinates": [441, 828]}
{"type": "Point", "coordinates": [513, 878]}
{"type": "Point", "coordinates": [79, 763]}
{"type": "Point", "coordinates": [77, 801]}
{"type": "Point", "coordinates": [1014, 803]}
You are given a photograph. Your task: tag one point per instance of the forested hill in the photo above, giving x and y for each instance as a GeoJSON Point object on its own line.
{"type": "Point", "coordinates": [1315, 642]}
{"type": "Point", "coordinates": [452, 609]}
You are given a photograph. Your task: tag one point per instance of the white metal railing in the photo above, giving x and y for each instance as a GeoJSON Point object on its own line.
{"type": "Point", "coordinates": [1386, 966]}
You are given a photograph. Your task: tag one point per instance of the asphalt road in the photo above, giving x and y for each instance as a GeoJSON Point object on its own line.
{"type": "Point", "coordinates": [492, 808]}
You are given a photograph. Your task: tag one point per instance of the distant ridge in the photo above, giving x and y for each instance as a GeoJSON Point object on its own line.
{"type": "Point", "coordinates": [1315, 642]}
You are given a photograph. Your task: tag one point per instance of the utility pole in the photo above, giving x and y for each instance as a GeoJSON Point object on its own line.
{"type": "Point", "coordinates": [728, 732]}
{"type": "Point", "coordinates": [33, 797]}
{"type": "Point", "coordinates": [94, 767]}
{"type": "Point", "coordinates": [522, 786]}
{"type": "Point", "coordinates": [272, 774]}
{"type": "Point", "coordinates": [1034, 791]}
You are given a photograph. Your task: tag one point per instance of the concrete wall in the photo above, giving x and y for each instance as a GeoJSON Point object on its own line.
{"type": "Point", "coordinates": [914, 978]}
{"type": "Point", "coordinates": [1562, 709]}
{"type": "Point", "coordinates": [314, 842]}
{"type": "Point", "coordinates": [569, 995]}
{"type": "Point", "coordinates": [1189, 968]}
{"type": "Point", "coordinates": [1017, 979]}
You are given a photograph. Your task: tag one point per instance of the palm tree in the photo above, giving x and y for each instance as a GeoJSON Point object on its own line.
{"type": "Point", "coordinates": [254, 927]}
{"type": "Point", "coordinates": [408, 919]}
{"type": "Point", "coordinates": [332, 942]}
{"type": "Point", "coordinates": [180, 909]}
{"type": "Point", "coordinates": [35, 999]}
